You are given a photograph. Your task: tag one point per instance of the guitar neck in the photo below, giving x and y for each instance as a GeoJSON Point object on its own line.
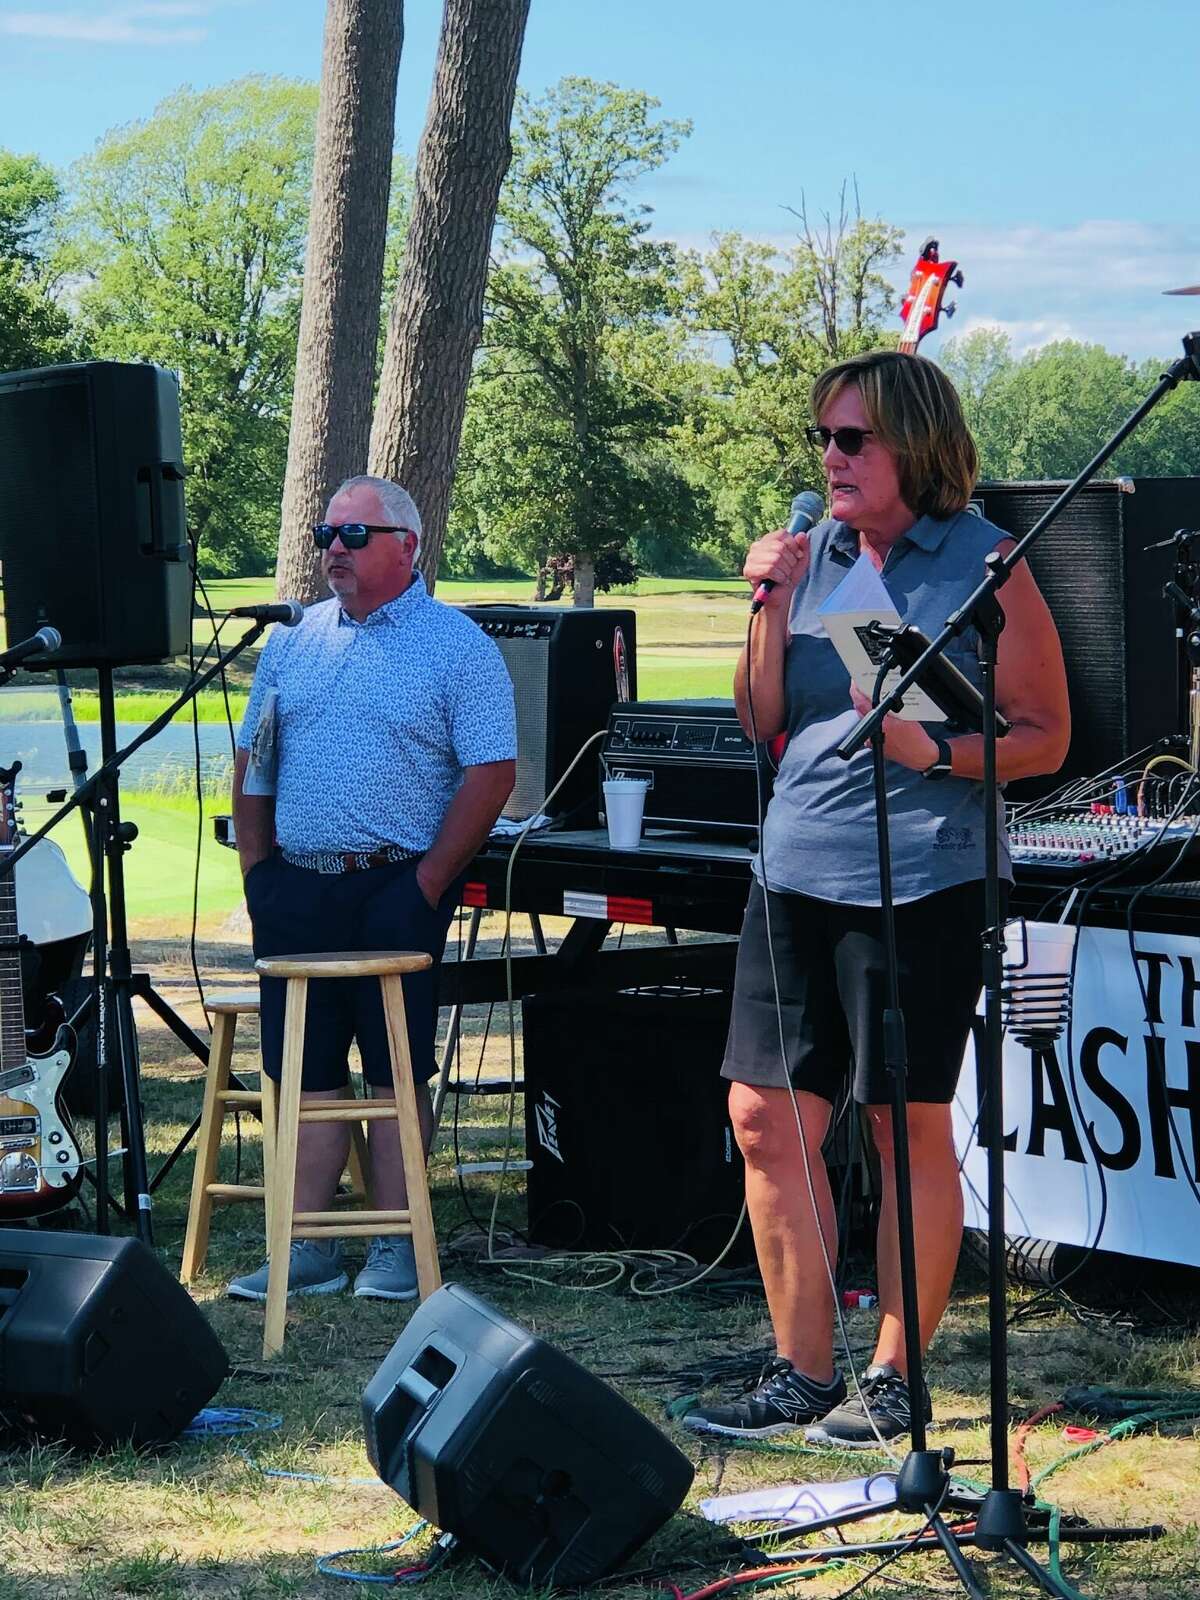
{"type": "Point", "coordinates": [12, 998]}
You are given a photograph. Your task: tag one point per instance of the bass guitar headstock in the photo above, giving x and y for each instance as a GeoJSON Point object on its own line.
{"type": "Point", "coordinates": [8, 805]}
{"type": "Point", "coordinates": [925, 301]}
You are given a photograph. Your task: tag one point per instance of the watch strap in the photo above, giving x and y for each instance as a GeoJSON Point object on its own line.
{"type": "Point", "coordinates": [941, 767]}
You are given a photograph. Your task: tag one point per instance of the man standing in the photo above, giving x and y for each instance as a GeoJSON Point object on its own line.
{"type": "Point", "coordinates": [395, 733]}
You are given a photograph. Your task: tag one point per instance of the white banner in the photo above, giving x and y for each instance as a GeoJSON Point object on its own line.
{"type": "Point", "coordinates": [1112, 1080]}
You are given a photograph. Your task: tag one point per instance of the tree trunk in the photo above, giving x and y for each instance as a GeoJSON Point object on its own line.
{"type": "Point", "coordinates": [438, 311]}
{"type": "Point", "coordinates": [585, 579]}
{"type": "Point", "coordinates": [343, 275]}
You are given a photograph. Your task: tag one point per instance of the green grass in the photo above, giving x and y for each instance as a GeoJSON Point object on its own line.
{"type": "Point", "coordinates": [160, 866]}
{"type": "Point", "coordinates": [199, 1520]}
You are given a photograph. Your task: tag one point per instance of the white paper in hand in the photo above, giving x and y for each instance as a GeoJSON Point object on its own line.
{"type": "Point", "coordinates": [861, 599]}
{"type": "Point", "coordinates": [263, 764]}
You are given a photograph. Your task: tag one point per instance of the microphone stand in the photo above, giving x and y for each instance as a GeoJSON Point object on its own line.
{"type": "Point", "coordinates": [923, 1483]}
{"type": "Point", "coordinates": [114, 982]}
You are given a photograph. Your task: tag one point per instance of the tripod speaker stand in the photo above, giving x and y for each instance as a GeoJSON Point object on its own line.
{"type": "Point", "coordinates": [114, 983]}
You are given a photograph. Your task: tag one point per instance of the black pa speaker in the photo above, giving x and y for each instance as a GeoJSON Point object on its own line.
{"type": "Point", "coordinates": [93, 537]}
{"type": "Point", "coordinates": [98, 1342]}
{"type": "Point", "coordinates": [627, 1123]}
{"type": "Point", "coordinates": [568, 664]}
{"type": "Point", "coordinates": [1104, 589]}
{"type": "Point", "coordinates": [496, 1437]}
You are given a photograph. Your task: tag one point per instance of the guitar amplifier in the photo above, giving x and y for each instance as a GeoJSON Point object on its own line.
{"type": "Point", "coordinates": [568, 664]}
{"type": "Point", "coordinates": [701, 769]}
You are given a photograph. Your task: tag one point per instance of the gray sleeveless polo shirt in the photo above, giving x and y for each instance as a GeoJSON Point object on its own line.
{"type": "Point", "coordinates": [819, 833]}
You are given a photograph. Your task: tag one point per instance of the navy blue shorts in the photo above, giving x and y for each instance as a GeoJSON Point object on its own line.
{"type": "Point", "coordinates": [833, 988]}
{"type": "Point", "coordinates": [296, 912]}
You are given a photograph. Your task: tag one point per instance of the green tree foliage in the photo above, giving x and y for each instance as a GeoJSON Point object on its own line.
{"type": "Point", "coordinates": [767, 323]}
{"type": "Point", "coordinates": [564, 450]}
{"type": "Point", "coordinates": [185, 242]}
{"type": "Point", "coordinates": [1045, 414]}
{"type": "Point", "coordinates": [34, 331]}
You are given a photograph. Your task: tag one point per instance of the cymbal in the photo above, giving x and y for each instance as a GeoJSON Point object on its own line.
{"type": "Point", "coordinates": [1191, 289]}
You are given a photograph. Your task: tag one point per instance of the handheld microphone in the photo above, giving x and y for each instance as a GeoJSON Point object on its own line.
{"type": "Point", "coordinates": [807, 510]}
{"type": "Point", "coordinates": [46, 638]}
{"type": "Point", "coordinates": [289, 612]}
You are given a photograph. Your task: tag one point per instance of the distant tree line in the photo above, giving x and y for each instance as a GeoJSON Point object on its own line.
{"type": "Point", "coordinates": [633, 406]}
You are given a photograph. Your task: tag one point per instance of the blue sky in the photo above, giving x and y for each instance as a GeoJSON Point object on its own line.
{"type": "Point", "coordinates": [1053, 147]}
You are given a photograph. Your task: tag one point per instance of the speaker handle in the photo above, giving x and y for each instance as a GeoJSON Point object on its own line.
{"type": "Point", "coordinates": [428, 1373]}
{"type": "Point", "coordinates": [153, 476]}
{"type": "Point", "coordinates": [418, 1388]}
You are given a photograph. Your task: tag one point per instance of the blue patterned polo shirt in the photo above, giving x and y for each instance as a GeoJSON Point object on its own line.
{"type": "Point", "coordinates": [377, 720]}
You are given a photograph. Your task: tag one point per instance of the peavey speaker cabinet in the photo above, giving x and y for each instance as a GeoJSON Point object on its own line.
{"type": "Point", "coordinates": [1104, 589]}
{"type": "Point", "coordinates": [568, 664]}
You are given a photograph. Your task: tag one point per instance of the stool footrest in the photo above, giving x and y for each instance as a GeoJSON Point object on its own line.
{"type": "Point", "coordinates": [349, 1230]}
{"type": "Point", "coordinates": [241, 1097]}
{"type": "Point", "coordinates": [235, 1191]}
{"type": "Point", "coordinates": [346, 1110]}
{"type": "Point", "coordinates": [337, 1218]}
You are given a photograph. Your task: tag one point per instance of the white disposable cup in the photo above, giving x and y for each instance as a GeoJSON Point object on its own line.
{"type": "Point", "coordinates": [1045, 951]}
{"type": "Point", "coordinates": [624, 801]}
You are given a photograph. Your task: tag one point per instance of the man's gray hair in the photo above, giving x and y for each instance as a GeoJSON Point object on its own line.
{"type": "Point", "coordinates": [398, 505]}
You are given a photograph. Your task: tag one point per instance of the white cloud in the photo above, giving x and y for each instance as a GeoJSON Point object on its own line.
{"type": "Point", "coordinates": [154, 22]}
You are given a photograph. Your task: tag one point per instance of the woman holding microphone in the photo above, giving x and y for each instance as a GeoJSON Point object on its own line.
{"type": "Point", "coordinates": [810, 987]}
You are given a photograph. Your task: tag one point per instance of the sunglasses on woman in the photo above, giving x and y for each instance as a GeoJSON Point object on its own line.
{"type": "Point", "coordinates": [353, 535]}
{"type": "Point", "coordinates": [848, 440]}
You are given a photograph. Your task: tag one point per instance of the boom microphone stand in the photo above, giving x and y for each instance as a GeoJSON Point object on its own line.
{"type": "Point", "coordinates": [923, 1485]}
{"type": "Point", "coordinates": [114, 983]}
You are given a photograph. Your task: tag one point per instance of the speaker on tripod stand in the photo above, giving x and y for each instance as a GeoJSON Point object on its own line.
{"type": "Point", "coordinates": [93, 539]}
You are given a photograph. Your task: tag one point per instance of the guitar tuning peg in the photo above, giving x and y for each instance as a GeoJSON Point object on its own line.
{"type": "Point", "coordinates": [956, 278]}
{"type": "Point", "coordinates": [949, 308]}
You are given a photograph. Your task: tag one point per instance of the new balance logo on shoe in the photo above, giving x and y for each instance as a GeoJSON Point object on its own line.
{"type": "Point", "coordinates": [779, 1400]}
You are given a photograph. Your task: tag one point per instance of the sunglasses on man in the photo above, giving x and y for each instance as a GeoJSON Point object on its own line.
{"type": "Point", "coordinates": [848, 440]}
{"type": "Point", "coordinates": [353, 535]}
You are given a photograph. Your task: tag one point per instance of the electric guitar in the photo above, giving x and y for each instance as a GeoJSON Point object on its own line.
{"type": "Point", "coordinates": [40, 1164]}
{"type": "Point", "coordinates": [926, 301]}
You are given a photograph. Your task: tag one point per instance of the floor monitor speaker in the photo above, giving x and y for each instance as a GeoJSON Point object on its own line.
{"type": "Point", "coordinates": [93, 537]}
{"type": "Point", "coordinates": [1104, 589]}
{"type": "Point", "coordinates": [98, 1342]}
{"type": "Point", "coordinates": [568, 665]}
{"type": "Point", "coordinates": [500, 1439]}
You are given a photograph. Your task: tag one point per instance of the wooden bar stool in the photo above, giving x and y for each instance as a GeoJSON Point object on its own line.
{"type": "Point", "coordinates": [219, 1099]}
{"type": "Point", "coordinates": [285, 1223]}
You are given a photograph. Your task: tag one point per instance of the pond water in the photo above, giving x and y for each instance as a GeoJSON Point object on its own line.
{"type": "Point", "coordinates": [165, 762]}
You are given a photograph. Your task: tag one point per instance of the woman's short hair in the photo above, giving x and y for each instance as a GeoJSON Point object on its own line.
{"type": "Point", "coordinates": [398, 505]}
{"type": "Point", "coordinates": [915, 413]}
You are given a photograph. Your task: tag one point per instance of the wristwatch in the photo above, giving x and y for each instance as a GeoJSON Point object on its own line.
{"type": "Point", "coordinates": [940, 768]}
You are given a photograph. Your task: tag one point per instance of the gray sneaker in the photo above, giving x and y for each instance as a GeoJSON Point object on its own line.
{"type": "Point", "coordinates": [390, 1272]}
{"type": "Point", "coordinates": [314, 1267]}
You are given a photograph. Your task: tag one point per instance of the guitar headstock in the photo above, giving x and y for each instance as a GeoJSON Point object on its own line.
{"type": "Point", "coordinates": [8, 804]}
{"type": "Point", "coordinates": [924, 303]}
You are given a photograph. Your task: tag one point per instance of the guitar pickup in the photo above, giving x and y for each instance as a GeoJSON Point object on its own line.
{"type": "Point", "coordinates": [13, 1127]}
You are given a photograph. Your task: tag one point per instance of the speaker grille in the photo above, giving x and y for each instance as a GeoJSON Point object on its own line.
{"type": "Point", "coordinates": [528, 663]}
{"type": "Point", "coordinates": [1104, 590]}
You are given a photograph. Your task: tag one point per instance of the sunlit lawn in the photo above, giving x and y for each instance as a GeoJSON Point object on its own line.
{"type": "Point", "coordinates": [688, 633]}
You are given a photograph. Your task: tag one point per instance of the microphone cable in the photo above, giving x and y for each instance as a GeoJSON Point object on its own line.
{"type": "Point", "coordinates": [830, 1268]}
